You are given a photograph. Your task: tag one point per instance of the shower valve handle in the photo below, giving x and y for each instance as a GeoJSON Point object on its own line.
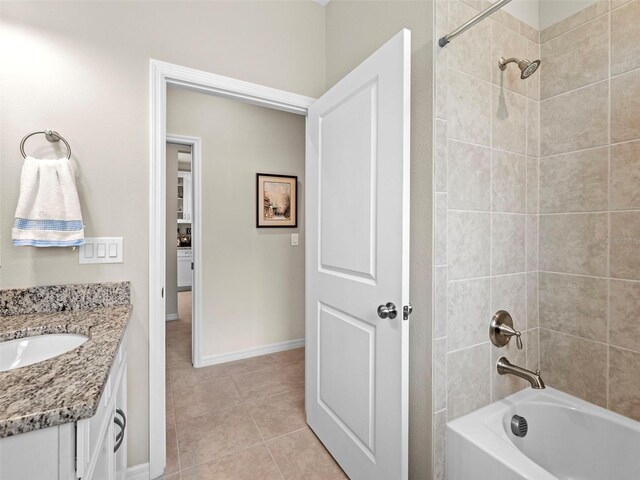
{"type": "Point", "coordinates": [501, 330]}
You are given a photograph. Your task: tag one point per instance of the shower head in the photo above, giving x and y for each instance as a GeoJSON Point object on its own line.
{"type": "Point", "coordinates": [527, 67]}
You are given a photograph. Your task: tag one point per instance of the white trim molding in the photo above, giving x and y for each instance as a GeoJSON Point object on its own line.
{"type": "Point", "coordinates": [172, 317]}
{"type": "Point", "coordinates": [138, 472]}
{"type": "Point", "coordinates": [252, 352]}
{"type": "Point", "coordinates": [162, 74]}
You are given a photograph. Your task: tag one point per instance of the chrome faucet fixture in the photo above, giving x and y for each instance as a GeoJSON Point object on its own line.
{"type": "Point", "coordinates": [501, 330]}
{"type": "Point", "coordinates": [506, 367]}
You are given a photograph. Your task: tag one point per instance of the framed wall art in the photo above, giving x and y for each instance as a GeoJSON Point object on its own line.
{"type": "Point", "coordinates": [276, 201]}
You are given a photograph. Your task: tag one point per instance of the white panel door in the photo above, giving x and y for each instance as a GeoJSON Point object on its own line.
{"type": "Point", "coordinates": [357, 260]}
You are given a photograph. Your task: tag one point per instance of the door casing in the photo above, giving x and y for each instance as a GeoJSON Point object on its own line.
{"type": "Point", "coordinates": [161, 75]}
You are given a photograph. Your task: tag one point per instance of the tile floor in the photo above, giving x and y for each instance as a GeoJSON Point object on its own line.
{"type": "Point", "coordinates": [241, 420]}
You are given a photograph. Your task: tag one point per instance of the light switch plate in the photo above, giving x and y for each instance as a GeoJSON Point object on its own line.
{"type": "Point", "coordinates": [295, 239]}
{"type": "Point", "coordinates": [101, 250]}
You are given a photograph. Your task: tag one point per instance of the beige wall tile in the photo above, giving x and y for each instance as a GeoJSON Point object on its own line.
{"type": "Point", "coordinates": [532, 185]}
{"type": "Point", "coordinates": [469, 176]}
{"type": "Point", "coordinates": [618, 3]}
{"type": "Point", "coordinates": [624, 314]}
{"type": "Point", "coordinates": [625, 176]}
{"type": "Point", "coordinates": [508, 243]}
{"type": "Point", "coordinates": [440, 445]}
{"type": "Point", "coordinates": [468, 244]}
{"type": "Point", "coordinates": [440, 313]}
{"type": "Point", "coordinates": [574, 365]}
{"type": "Point", "coordinates": [625, 245]}
{"type": "Point", "coordinates": [533, 128]}
{"type": "Point", "coordinates": [575, 182]}
{"type": "Point", "coordinates": [503, 17]}
{"type": "Point", "coordinates": [532, 227]}
{"type": "Point", "coordinates": [468, 313]}
{"type": "Point", "coordinates": [574, 20]}
{"type": "Point", "coordinates": [440, 375]}
{"type": "Point", "coordinates": [625, 105]}
{"type": "Point", "coordinates": [533, 82]}
{"type": "Point", "coordinates": [532, 301]}
{"type": "Point", "coordinates": [470, 52]}
{"type": "Point", "coordinates": [529, 32]}
{"type": "Point", "coordinates": [574, 304]}
{"type": "Point", "coordinates": [509, 182]}
{"type": "Point", "coordinates": [440, 241]}
{"type": "Point", "coordinates": [440, 174]}
{"type": "Point", "coordinates": [625, 38]}
{"type": "Point", "coordinates": [624, 373]}
{"type": "Point", "coordinates": [575, 120]}
{"type": "Point", "coordinates": [533, 353]}
{"type": "Point", "coordinates": [509, 292]}
{"type": "Point", "coordinates": [467, 387]}
{"type": "Point", "coordinates": [576, 58]}
{"type": "Point", "coordinates": [509, 122]}
{"type": "Point", "coordinates": [574, 243]}
{"type": "Point", "coordinates": [507, 43]}
{"type": "Point", "coordinates": [441, 88]}
{"type": "Point", "coordinates": [469, 107]}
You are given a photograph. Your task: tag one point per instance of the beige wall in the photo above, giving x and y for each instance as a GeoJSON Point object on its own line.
{"type": "Point", "coordinates": [253, 279]}
{"type": "Point", "coordinates": [590, 232]}
{"type": "Point", "coordinates": [82, 68]}
{"type": "Point", "coordinates": [354, 30]}
{"type": "Point", "coordinates": [485, 183]}
{"type": "Point", "coordinates": [171, 266]}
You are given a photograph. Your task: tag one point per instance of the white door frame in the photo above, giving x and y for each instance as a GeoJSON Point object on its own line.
{"type": "Point", "coordinates": [162, 74]}
{"type": "Point", "coordinates": [196, 233]}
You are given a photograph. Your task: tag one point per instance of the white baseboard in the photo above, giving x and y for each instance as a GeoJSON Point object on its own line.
{"type": "Point", "coordinates": [209, 360]}
{"type": "Point", "coordinates": [171, 317]}
{"type": "Point", "coordinates": [138, 472]}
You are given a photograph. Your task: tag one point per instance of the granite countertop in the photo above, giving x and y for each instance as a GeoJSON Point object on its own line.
{"type": "Point", "coordinates": [66, 388]}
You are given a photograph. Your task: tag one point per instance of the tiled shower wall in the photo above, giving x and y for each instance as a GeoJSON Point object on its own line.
{"type": "Point", "coordinates": [590, 205]}
{"type": "Point", "coordinates": [558, 153]}
{"type": "Point", "coordinates": [486, 149]}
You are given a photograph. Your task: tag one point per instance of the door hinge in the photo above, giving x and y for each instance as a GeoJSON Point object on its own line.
{"type": "Point", "coordinates": [407, 310]}
{"type": "Point", "coordinates": [162, 293]}
{"type": "Point", "coordinates": [191, 265]}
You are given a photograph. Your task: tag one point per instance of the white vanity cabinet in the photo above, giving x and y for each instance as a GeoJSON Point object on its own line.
{"type": "Point", "coordinates": [90, 449]}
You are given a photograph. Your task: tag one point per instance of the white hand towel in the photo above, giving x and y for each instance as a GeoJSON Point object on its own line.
{"type": "Point", "coordinates": [48, 212]}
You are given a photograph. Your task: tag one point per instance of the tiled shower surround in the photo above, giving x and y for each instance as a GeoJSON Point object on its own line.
{"type": "Point", "coordinates": [537, 207]}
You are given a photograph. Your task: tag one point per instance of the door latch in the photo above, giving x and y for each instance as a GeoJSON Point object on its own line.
{"type": "Point", "coordinates": [407, 310]}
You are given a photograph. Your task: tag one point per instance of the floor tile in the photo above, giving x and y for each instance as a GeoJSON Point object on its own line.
{"type": "Point", "coordinates": [173, 464]}
{"type": "Point", "coordinates": [301, 456]}
{"type": "Point", "coordinates": [210, 436]}
{"type": "Point", "coordinates": [206, 397]}
{"type": "Point", "coordinates": [251, 464]}
{"type": "Point", "coordinates": [272, 381]}
{"type": "Point", "coordinates": [185, 375]}
{"type": "Point", "coordinates": [280, 414]}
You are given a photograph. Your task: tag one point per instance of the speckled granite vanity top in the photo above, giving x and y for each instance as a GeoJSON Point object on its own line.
{"type": "Point", "coordinates": [66, 388]}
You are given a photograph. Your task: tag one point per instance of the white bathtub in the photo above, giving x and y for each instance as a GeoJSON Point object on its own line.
{"type": "Point", "coordinates": [568, 439]}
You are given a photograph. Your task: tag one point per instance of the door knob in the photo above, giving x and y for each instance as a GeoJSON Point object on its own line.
{"type": "Point", "coordinates": [388, 311]}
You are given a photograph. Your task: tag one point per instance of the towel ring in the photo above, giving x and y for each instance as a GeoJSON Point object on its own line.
{"type": "Point", "coordinates": [51, 136]}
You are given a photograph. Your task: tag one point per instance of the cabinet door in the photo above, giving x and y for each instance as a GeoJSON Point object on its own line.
{"type": "Point", "coordinates": [185, 201]}
{"type": "Point", "coordinates": [104, 463]}
{"type": "Point", "coordinates": [120, 447]}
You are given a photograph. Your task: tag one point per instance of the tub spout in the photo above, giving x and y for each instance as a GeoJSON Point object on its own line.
{"type": "Point", "coordinates": [506, 367]}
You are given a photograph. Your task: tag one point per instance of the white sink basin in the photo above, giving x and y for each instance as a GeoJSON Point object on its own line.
{"type": "Point", "coordinates": [29, 350]}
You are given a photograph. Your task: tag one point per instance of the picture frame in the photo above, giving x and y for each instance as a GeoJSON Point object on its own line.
{"type": "Point", "coordinates": [276, 201]}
